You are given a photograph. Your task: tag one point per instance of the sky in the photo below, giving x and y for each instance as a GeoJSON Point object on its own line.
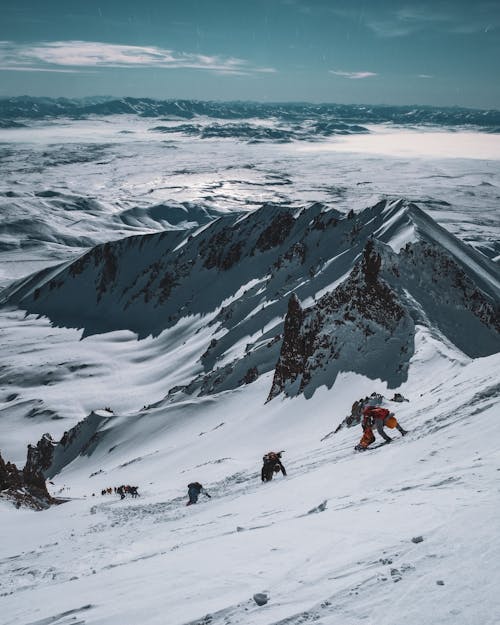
{"type": "Point", "coordinates": [439, 52]}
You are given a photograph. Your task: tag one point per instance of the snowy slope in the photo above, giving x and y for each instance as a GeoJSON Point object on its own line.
{"type": "Point", "coordinates": [102, 560]}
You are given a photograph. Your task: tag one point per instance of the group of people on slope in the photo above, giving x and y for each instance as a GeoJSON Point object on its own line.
{"type": "Point", "coordinates": [373, 417]}
{"type": "Point", "coordinates": [123, 491]}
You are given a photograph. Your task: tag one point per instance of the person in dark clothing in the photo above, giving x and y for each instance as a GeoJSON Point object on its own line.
{"type": "Point", "coordinates": [194, 491]}
{"type": "Point", "coordinates": [133, 491]}
{"type": "Point", "coordinates": [271, 464]}
{"type": "Point", "coordinates": [377, 417]}
{"type": "Point", "coordinates": [121, 491]}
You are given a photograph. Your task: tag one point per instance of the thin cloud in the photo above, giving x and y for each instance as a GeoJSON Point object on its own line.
{"type": "Point", "coordinates": [50, 56]}
{"type": "Point", "coordinates": [7, 68]}
{"type": "Point", "coordinates": [441, 16]}
{"type": "Point", "coordinates": [390, 28]}
{"type": "Point", "coordinates": [353, 75]}
{"type": "Point", "coordinates": [425, 76]}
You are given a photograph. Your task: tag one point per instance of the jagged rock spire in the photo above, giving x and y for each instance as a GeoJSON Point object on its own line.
{"type": "Point", "coordinates": [38, 460]}
{"type": "Point", "coordinates": [371, 263]}
{"type": "Point", "coordinates": [291, 361]}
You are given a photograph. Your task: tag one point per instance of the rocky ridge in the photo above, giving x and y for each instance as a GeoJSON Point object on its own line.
{"type": "Point", "coordinates": [365, 281]}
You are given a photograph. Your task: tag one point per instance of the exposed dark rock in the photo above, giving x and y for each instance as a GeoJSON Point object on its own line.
{"type": "Point", "coordinates": [261, 598]}
{"type": "Point", "coordinates": [81, 439]}
{"type": "Point", "coordinates": [276, 233]}
{"type": "Point", "coordinates": [10, 476]}
{"type": "Point", "coordinates": [444, 270]}
{"type": "Point", "coordinates": [298, 252]}
{"type": "Point", "coordinates": [371, 264]}
{"type": "Point", "coordinates": [251, 375]}
{"type": "Point", "coordinates": [78, 266]}
{"type": "Point", "coordinates": [26, 487]}
{"type": "Point", "coordinates": [221, 250]}
{"type": "Point", "coordinates": [360, 326]}
{"type": "Point", "coordinates": [399, 398]}
{"type": "Point", "coordinates": [291, 361]}
{"type": "Point", "coordinates": [38, 461]}
{"type": "Point", "coordinates": [105, 256]}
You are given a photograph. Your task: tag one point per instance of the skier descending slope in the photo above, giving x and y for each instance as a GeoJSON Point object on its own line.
{"type": "Point", "coordinates": [375, 416]}
{"type": "Point", "coordinates": [194, 490]}
{"type": "Point", "coordinates": [271, 464]}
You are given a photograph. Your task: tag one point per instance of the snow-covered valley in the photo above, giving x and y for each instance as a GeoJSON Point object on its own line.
{"type": "Point", "coordinates": [186, 347]}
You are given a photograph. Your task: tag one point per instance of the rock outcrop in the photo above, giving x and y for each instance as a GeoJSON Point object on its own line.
{"type": "Point", "coordinates": [361, 326]}
{"type": "Point", "coordinates": [44, 460]}
{"type": "Point", "coordinates": [25, 487]}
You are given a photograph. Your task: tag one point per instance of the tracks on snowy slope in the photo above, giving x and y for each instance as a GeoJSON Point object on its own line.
{"type": "Point", "coordinates": [39, 567]}
{"type": "Point", "coordinates": [363, 579]}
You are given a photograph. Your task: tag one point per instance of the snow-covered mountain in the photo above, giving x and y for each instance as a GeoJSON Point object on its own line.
{"type": "Point", "coordinates": [367, 279]}
{"type": "Point", "coordinates": [25, 107]}
{"type": "Point", "coordinates": [180, 307]}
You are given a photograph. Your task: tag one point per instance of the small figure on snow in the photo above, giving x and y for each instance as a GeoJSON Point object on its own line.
{"type": "Point", "coordinates": [194, 491]}
{"type": "Point", "coordinates": [375, 416]}
{"type": "Point", "coordinates": [271, 464]}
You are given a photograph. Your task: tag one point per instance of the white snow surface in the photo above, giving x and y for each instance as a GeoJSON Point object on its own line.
{"type": "Point", "coordinates": [153, 561]}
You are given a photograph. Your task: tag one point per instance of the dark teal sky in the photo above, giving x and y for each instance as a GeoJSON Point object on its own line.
{"type": "Point", "coordinates": [372, 51]}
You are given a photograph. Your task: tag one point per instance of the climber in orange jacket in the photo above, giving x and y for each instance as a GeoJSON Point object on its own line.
{"type": "Point", "coordinates": [375, 416]}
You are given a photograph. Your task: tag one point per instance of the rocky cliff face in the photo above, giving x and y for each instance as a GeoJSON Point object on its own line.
{"type": "Point", "coordinates": [367, 323]}
{"type": "Point", "coordinates": [10, 476]}
{"type": "Point", "coordinates": [361, 326]}
{"type": "Point", "coordinates": [26, 487]}
{"type": "Point", "coordinates": [39, 459]}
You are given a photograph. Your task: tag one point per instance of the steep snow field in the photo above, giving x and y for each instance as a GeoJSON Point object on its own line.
{"type": "Point", "coordinates": [152, 560]}
{"type": "Point", "coordinates": [331, 542]}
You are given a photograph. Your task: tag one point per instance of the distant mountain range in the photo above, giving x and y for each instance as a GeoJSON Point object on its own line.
{"type": "Point", "coordinates": [29, 108]}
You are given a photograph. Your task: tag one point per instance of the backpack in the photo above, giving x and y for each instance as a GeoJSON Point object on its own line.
{"type": "Point", "coordinates": [379, 413]}
{"type": "Point", "coordinates": [272, 457]}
